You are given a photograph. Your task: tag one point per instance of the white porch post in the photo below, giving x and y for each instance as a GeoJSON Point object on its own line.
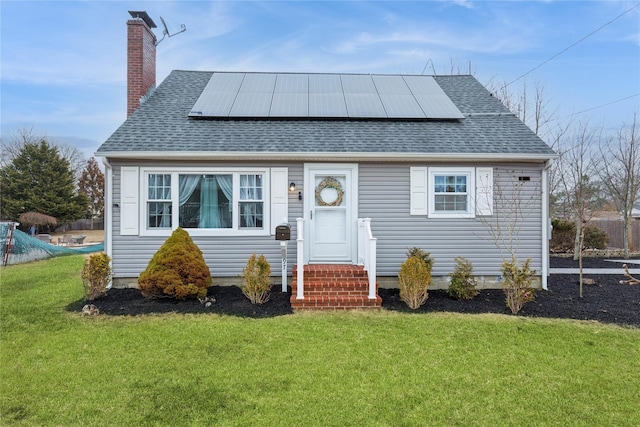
{"type": "Point", "coordinates": [372, 250]}
{"type": "Point", "coordinates": [300, 259]}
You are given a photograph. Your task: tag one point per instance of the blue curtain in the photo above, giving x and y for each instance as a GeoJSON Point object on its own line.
{"type": "Point", "coordinates": [211, 214]}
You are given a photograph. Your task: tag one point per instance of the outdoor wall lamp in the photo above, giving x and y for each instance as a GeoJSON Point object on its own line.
{"type": "Point", "coordinates": [292, 188]}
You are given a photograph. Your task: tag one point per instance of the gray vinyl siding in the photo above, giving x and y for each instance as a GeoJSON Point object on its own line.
{"type": "Point", "coordinates": [225, 256]}
{"type": "Point", "coordinates": [383, 197]}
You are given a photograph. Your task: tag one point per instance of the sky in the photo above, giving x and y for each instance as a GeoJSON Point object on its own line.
{"type": "Point", "coordinates": [63, 63]}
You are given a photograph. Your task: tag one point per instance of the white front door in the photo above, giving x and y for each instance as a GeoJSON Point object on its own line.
{"type": "Point", "coordinates": [331, 212]}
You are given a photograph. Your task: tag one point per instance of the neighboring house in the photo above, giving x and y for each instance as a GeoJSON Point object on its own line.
{"type": "Point", "coordinates": [229, 156]}
{"type": "Point", "coordinates": [635, 212]}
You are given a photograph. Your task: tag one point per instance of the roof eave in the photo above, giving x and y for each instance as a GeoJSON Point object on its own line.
{"type": "Point", "coordinates": [325, 156]}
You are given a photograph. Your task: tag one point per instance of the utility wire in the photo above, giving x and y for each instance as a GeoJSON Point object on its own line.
{"type": "Point", "coordinates": [579, 41]}
{"type": "Point", "coordinates": [604, 105]}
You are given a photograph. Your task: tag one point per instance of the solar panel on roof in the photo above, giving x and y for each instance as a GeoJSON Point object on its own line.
{"type": "Point", "coordinates": [258, 82]}
{"type": "Point", "coordinates": [294, 83]}
{"type": "Point", "coordinates": [364, 105]}
{"type": "Point", "coordinates": [391, 85]}
{"type": "Point", "coordinates": [327, 105]}
{"type": "Point", "coordinates": [358, 84]}
{"type": "Point", "coordinates": [325, 83]}
{"type": "Point", "coordinates": [252, 104]}
{"type": "Point", "coordinates": [323, 95]}
{"type": "Point", "coordinates": [289, 105]}
{"type": "Point", "coordinates": [432, 99]}
{"type": "Point", "coordinates": [402, 106]}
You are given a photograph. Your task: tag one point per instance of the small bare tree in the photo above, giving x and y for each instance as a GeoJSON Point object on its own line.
{"type": "Point", "coordinates": [515, 197]}
{"type": "Point", "coordinates": [577, 166]}
{"type": "Point", "coordinates": [620, 174]}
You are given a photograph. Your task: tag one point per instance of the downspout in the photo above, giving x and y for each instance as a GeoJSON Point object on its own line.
{"type": "Point", "coordinates": [108, 208]}
{"type": "Point", "coordinates": [545, 225]}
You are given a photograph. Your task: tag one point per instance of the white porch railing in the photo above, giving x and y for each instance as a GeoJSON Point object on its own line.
{"type": "Point", "coordinates": [367, 253]}
{"type": "Point", "coordinates": [300, 258]}
{"type": "Point", "coordinates": [367, 247]}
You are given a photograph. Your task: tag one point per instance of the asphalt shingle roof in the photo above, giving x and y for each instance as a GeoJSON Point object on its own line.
{"type": "Point", "coordinates": [162, 124]}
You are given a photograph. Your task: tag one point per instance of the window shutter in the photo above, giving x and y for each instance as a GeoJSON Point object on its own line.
{"type": "Point", "coordinates": [418, 188]}
{"type": "Point", "coordinates": [129, 200]}
{"type": "Point", "coordinates": [484, 191]}
{"type": "Point", "coordinates": [279, 197]}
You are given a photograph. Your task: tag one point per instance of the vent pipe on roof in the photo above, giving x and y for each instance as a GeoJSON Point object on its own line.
{"type": "Point", "coordinates": [141, 59]}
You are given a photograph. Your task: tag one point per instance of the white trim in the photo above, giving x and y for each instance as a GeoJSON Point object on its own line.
{"type": "Point", "coordinates": [279, 202]}
{"type": "Point", "coordinates": [352, 209]}
{"type": "Point", "coordinates": [419, 193]}
{"type": "Point", "coordinates": [108, 208]}
{"type": "Point", "coordinates": [484, 191]}
{"type": "Point", "coordinates": [471, 185]}
{"type": "Point", "coordinates": [326, 156]}
{"type": "Point", "coordinates": [545, 226]}
{"type": "Point", "coordinates": [235, 172]}
{"type": "Point", "coordinates": [129, 200]}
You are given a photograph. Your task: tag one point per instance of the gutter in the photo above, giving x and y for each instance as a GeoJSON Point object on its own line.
{"type": "Point", "coordinates": [108, 207]}
{"type": "Point", "coordinates": [546, 228]}
{"type": "Point", "coordinates": [326, 156]}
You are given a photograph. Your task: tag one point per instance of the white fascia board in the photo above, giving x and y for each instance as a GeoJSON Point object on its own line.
{"type": "Point", "coordinates": [324, 156]}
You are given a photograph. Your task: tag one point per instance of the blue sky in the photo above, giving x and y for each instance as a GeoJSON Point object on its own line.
{"type": "Point", "coordinates": [63, 63]}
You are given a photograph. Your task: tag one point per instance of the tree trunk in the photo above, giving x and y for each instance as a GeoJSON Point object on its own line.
{"type": "Point", "coordinates": [627, 236]}
{"type": "Point", "coordinates": [577, 246]}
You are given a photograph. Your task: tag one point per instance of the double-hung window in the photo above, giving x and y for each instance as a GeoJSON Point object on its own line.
{"type": "Point", "coordinates": [451, 192]}
{"type": "Point", "coordinates": [206, 202]}
{"type": "Point", "coordinates": [159, 201]}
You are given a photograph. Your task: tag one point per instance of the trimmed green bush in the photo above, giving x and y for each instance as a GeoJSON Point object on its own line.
{"type": "Point", "coordinates": [177, 270]}
{"type": "Point", "coordinates": [414, 278]}
{"type": "Point", "coordinates": [463, 284]}
{"type": "Point", "coordinates": [257, 279]}
{"type": "Point", "coordinates": [564, 234]}
{"type": "Point", "coordinates": [425, 256]}
{"type": "Point", "coordinates": [96, 275]}
{"type": "Point", "coordinates": [517, 284]}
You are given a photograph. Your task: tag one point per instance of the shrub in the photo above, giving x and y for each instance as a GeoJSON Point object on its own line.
{"type": "Point", "coordinates": [425, 256]}
{"type": "Point", "coordinates": [96, 275]}
{"type": "Point", "coordinates": [414, 279]}
{"type": "Point", "coordinates": [517, 284]}
{"type": "Point", "coordinates": [463, 284]}
{"type": "Point", "coordinates": [177, 270]}
{"type": "Point", "coordinates": [257, 279]}
{"type": "Point", "coordinates": [564, 234]}
{"type": "Point", "coordinates": [595, 238]}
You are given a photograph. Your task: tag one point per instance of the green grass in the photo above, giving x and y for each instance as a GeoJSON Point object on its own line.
{"type": "Point", "coordinates": [328, 369]}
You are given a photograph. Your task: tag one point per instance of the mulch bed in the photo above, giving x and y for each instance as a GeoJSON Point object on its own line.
{"type": "Point", "coordinates": [605, 301]}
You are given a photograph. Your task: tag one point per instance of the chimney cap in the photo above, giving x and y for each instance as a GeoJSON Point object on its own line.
{"type": "Point", "coordinates": [144, 16]}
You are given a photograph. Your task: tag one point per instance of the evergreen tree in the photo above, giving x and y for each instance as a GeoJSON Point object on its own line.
{"type": "Point", "coordinates": [91, 184]}
{"type": "Point", "coordinates": [40, 179]}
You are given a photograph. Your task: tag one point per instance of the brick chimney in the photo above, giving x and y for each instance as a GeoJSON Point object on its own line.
{"type": "Point", "coordinates": [141, 59]}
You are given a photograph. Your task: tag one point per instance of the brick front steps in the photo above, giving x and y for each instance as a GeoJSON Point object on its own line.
{"type": "Point", "coordinates": [333, 287]}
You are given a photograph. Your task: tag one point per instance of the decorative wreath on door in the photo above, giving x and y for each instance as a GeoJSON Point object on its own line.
{"type": "Point", "coordinates": [329, 182]}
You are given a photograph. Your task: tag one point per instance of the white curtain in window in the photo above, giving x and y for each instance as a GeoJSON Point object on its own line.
{"type": "Point", "coordinates": [188, 184]}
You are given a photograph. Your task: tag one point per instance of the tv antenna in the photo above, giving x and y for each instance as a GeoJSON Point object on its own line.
{"type": "Point", "coordinates": [166, 33]}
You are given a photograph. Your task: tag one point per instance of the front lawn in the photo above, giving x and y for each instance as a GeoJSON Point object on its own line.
{"type": "Point", "coordinates": [378, 368]}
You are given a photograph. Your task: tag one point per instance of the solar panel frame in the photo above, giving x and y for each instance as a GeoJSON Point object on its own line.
{"type": "Point", "coordinates": [229, 94]}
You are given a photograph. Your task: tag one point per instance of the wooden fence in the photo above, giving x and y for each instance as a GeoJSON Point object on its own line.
{"type": "Point", "coordinates": [615, 231]}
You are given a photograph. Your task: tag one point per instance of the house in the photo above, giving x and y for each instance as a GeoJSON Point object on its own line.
{"type": "Point", "coordinates": [363, 167]}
